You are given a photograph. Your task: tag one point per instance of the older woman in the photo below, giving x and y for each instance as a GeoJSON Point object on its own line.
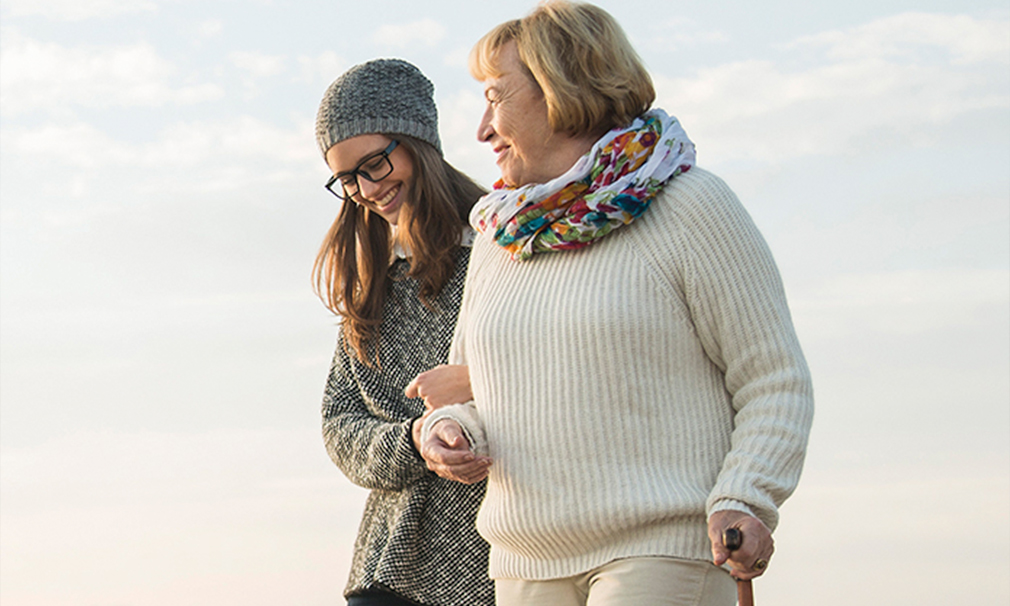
{"type": "Point", "coordinates": [635, 374]}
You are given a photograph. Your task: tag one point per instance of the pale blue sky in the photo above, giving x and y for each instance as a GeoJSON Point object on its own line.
{"type": "Point", "coordinates": [163, 356]}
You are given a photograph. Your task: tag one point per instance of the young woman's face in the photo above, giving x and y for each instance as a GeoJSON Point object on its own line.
{"type": "Point", "coordinates": [364, 153]}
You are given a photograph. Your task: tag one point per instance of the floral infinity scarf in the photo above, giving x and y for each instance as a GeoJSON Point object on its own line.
{"type": "Point", "coordinates": [610, 186]}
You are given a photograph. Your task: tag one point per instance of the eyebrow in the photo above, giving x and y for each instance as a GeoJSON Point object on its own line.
{"type": "Point", "coordinates": [365, 159]}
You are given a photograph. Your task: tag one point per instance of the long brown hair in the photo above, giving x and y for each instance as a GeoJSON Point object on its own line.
{"type": "Point", "coordinates": [351, 271]}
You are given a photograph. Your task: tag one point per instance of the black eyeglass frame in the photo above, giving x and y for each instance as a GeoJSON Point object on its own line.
{"type": "Point", "coordinates": [358, 173]}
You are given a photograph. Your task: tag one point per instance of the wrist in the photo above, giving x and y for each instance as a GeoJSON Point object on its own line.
{"type": "Point", "coordinates": [415, 434]}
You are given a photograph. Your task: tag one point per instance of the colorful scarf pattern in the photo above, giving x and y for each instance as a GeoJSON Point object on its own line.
{"type": "Point", "coordinates": [610, 186]}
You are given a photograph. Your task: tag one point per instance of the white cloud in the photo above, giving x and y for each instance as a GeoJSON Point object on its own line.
{"type": "Point", "coordinates": [181, 144]}
{"type": "Point", "coordinates": [257, 65]}
{"type": "Point", "coordinates": [426, 31]}
{"type": "Point", "coordinates": [78, 145]}
{"type": "Point", "coordinates": [45, 76]}
{"type": "Point", "coordinates": [210, 28]}
{"type": "Point", "coordinates": [184, 157]}
{"type": "Point", "coordinates": [681, 32]}
{"type": "Point", "coordinates": [76, 10]}
{"type": "Point", "coordinates": [865, 92]}
{"type": "Point", "coordinates": [321, 69]}
{"type": "Point", "coordinates": [968, 40]}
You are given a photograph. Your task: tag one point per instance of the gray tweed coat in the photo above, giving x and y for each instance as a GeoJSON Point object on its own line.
{"type": "Point", "coordinates": [417, 536]}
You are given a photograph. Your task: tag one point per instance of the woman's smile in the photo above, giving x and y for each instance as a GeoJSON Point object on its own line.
{"type": "Point", "coordinates": [386, 202]}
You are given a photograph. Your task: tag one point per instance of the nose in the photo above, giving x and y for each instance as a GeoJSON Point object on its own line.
{"type": "Point", "coordinates": [484, 129]}
{"type": "Point", "coordinates": [367, 189]}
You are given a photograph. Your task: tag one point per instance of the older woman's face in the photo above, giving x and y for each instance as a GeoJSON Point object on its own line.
{"type": "Point", "coordinates": [515, 124]}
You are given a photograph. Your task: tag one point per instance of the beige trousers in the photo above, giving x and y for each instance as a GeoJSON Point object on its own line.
{"type": "Point", "coordinates": [646, 581]}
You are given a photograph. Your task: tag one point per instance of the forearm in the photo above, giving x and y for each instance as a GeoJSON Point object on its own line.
{"type": "Point", "coordinates": [738, 305]}
{"type": "Point", "coordinates": [771, 388]}
{"type": "Point", "coordinates": [372, 453]}
{"type": "Point", "coordinates": [767, 449]}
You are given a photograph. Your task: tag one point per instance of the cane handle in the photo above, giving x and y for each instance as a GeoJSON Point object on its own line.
{"type": "Point", "coordinates": [732, 538]}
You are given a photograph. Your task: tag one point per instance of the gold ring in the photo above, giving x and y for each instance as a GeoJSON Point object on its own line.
{"type": "Point", "coordinates": [761, 564]}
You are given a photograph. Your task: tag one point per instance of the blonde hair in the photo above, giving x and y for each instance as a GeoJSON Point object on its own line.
{"type": "Point", "coordinates": [591, 77]}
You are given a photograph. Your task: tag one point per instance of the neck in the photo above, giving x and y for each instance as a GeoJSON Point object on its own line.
{"type": "Point", "coordinates": [568, 150]}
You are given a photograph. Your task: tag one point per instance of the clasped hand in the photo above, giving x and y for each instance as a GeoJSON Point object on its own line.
{"type": "Point", "coordinates": [446, 451]}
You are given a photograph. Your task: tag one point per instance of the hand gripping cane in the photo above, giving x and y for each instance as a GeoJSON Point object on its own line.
{"type": "Point", "coordinates": [732, 538]}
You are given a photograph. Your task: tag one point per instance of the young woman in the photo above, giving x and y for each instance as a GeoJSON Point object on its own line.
{"type": "Point", "coordinates": [392, 268]}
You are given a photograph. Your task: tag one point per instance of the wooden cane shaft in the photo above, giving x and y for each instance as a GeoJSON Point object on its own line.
{"type": "Point", "coordinates": [744, 593]}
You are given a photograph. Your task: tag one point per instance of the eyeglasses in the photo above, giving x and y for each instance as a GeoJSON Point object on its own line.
{"type": "Point", "coordinates": [374, 168]}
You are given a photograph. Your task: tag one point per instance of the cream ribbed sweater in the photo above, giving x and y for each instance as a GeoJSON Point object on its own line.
{"type": "Point", "coordinates": [630, 389]}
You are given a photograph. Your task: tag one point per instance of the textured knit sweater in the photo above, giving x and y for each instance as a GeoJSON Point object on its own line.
{"type": "Point", "coordinates": [417, 537]}
{"type": "Point", "coordinates": [630, 389]}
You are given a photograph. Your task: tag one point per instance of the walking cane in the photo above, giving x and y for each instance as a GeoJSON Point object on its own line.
{"type": "Point", "coordinates": [732, 538]}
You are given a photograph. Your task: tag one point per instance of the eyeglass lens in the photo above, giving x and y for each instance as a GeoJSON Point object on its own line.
{"type": "Point", "coordinates": [374, 169]}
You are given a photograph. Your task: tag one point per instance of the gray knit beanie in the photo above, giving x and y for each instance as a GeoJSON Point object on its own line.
{"type": "Point", "coordinates": [387, 96]}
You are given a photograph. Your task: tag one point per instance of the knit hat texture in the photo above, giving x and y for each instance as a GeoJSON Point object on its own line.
{"type": "Point", "coordinates": [388, 96]}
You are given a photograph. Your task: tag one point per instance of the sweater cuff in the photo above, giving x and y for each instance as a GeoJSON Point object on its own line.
{"type": "Point", "coordinates": [731, 505]}
{"type": "Point", "coordinates": [466, 416]}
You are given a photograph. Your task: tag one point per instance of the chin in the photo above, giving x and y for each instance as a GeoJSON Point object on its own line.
{"type": "Point", "coordinates": [391, 219]}
{"type": "Point", "coordinates": [511, 176]}
{"type": "Point", "coordinates": [512, 180]}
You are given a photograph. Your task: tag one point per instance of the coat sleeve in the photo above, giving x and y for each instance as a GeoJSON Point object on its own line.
{"type": "Point", "coordinates": [373, 451]}
{"type": "Point", "coordinates": [738, 305]}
